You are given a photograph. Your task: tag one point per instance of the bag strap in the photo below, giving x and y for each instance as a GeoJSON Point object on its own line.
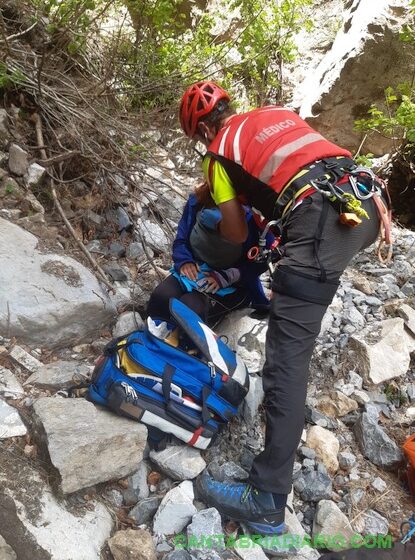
{"type": "Point", "coordinates": [168, 373]}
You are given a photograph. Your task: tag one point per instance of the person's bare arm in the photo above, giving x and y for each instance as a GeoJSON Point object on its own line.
{"type": "Point", "coordinates": [233, 226]}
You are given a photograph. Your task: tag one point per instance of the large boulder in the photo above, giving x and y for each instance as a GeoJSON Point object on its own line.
{"type": "Point", "coordinates": [37, 525]}
{"type": "Point", "coordinates": [50, 299]}
{"type": "Point", "coordinates": [366, 57]}
{"type": "Point", "coordinates": [88, 445]}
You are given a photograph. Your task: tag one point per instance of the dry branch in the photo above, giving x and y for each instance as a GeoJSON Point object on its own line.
{"type": "Point", "coordinates": [94, 264]}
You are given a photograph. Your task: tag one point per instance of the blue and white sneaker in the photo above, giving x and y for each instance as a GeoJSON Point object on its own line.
{"type": "Point", "coordinates": [242, 502]}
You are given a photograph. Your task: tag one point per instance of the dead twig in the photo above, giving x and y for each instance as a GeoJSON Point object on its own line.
{"type": "Point", "coordinates": [22, 33]}
{"type": "Point", "coordinates": [94, 264]}
{"type": "Point", "coordinates": [57, 159]}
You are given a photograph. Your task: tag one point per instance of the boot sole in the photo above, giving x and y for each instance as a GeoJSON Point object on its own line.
{"type": "Point", "coordinates": [259, 528]}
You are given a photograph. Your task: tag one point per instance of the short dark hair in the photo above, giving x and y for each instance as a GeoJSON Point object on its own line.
{"type": "Point", "coordinates": [222, 110]}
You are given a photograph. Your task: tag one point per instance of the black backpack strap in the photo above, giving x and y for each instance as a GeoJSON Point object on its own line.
{"type": "Point", "coordinates": [168, 373]}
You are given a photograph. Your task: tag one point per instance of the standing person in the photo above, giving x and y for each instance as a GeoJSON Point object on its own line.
{"type": "Point", "coordinates": [273, 160]}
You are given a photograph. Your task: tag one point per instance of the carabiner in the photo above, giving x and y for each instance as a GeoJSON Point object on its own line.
{"type": "Point", "coordinates": [253, 253]}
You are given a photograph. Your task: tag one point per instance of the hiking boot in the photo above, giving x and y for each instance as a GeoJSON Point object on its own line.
{"type": "Point", "coordinates": [242, 502]}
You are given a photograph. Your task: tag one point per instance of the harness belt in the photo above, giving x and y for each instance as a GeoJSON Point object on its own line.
{"type": "Point", "coordinates": [324, 176]}
{"type": "Point", "coordinates": [301, 185]}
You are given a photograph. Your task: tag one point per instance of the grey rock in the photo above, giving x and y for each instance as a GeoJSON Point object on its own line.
{"type": "Point", "coordinates": [372, 523]}
{"type": "Point", "coordinates": [253, 399]}
{"type": "Point", "coordinates": [227, 472]}
{"type": "Point", "coordinates": [373, 301]}
{"type": "Point", "coordinates": [163, 547]}
{"type": "Point", "coordinates": [35, 175]}
{"type": "Point", "coordinates": [135, 251]}
{"type": "Point", "coordinates": [247, 458]}
{"type": "Point", "coordinates": [346, 460]}
{"type": "Point", "coordinates": [96, 246]}
{"type": "Point", "coordinates": [51, 300]}
{"type": "Point", "coordinates": [144, 511]}
{"type": "Point", "coordinates": [126, 323]}
{"type": "Point", "coordinates": [313, 486]}
{"type": "Point", "coordinates": [116, 272]}
{"type": "Point", "coordinates": [356, 495]}
{"type": "Point", "coordinates": [178, 555]}
{"type": "Point", "coordinates": [410, 391]}
{"type": "Point", "coordinates": [329, 521]}
{"type": "Point", "coordinates": [113, 497]}
{"type": "Point", "coordinates": [296, 469]}
{"type": "Point", "coordinates": [60, 375]}
{"type": "Point", "coordinates": [18, 160]}
{"type": "Point", "coordinates": [137, 485]}
{"type": "Point", "coordinates": [176, 510]}
{"type": "Point", "coordinates": [117, 249]}
{"type": "Point", "coordinates": [6, 551]}
{"type": "Point", "coordinates": [402, 269]}
{"type": "Point", "coordinates": [154, 236]}
{"type": "Point", "coordinates": [389, 357]}
{"type": "Point", "coordinates": [307, 452]}
{"type": "Point", "coordinates": [44, 527]}
{"type": "Point", "coordinates": [309, 463]}
{"type": "Point", "coordinates": [379, 485]}
{"type": "Point", "coordinates": [109, 449]}
{"type": "Point", "coordinates": [353, 317]}
{"type": "Point", "coordinates": [205, 525]}
{"type": "Point", "coordinates": [180, 462]}
{"type": "Point", "coordinates": [375, 444]}
{"type": "Point", "coordinates": [408, 289]}
{"type": "Point", "coordinates": [124, 222]}
{"type": "Point", "coordinates": [313, 416]}
{"type": "Point", "coordinates": [11, 424]}
{"type": "Point", "coordinates": [361, 397]}
{"type": "Point", "coordinates": [408, 315]}
{"type": "Point", "coordinates": [4, 128]}
{"type": "Point", "coordinates": [355, 379]}
{"type": "Point", "coordinates": [24, 359]}
{"type": "Point", "coordinates": [9, 385]}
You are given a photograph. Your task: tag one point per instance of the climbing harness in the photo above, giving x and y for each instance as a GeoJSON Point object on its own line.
{"type": "Point", "coordinates": [408, 529]}
{"type": "Point", "coordinates": [261, 253]}
{"type": "Point", "coordinates": [328, 176]}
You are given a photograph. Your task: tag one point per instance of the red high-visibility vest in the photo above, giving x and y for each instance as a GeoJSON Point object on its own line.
{"type": "Point", "coordinates": [272, 144]}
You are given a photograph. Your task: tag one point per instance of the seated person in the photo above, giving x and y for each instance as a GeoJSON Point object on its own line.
{"type": "Point", "coordinates": [210, 275]}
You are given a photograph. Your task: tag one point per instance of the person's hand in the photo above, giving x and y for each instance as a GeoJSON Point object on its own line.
{"type": "Point", "coordinates": [210, 217]}
{"type": "Point", "coordinates": [208, 285]}
{"type": "Point", "coordinates": [190, 270]}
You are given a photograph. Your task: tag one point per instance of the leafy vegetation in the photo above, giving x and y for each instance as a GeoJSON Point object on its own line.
{"type": "Point", "coordinates": [397, 120]}
{"type": "Point", "coordinates": [165, 44]}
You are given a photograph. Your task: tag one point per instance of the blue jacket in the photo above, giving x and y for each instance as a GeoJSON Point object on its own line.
{"type": "Point", "coordinates": [250, 271]}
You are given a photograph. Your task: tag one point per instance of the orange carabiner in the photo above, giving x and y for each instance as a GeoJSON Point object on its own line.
{"type": "Point", "coordinates": [253, 253]}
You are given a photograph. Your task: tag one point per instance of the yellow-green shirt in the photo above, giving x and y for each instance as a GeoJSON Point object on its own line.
{"type": "Point", "coordinates": [220, 184]}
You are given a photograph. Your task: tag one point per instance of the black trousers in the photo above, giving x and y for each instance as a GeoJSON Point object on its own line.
{"type": "Point", "coordinates": [210, 308]}
{"type": "Point", "coordinates": [317, 249]}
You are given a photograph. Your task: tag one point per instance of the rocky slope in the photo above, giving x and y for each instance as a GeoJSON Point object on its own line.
{"type": "Point", "coordinates": [360, 408]}
{"type": "Point", "coordinates": [78, 483]}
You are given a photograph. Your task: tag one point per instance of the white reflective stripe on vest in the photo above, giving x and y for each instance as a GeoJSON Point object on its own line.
{"type": "Point", "coordinates": [236, 147]}
{"type": "Point", "coordinates": [221, 150]}
{"type": "Point", "coordinates": [280, 155]}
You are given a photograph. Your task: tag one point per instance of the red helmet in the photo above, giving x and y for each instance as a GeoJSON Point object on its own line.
{"type": "Point", "coordinates": [198, 101]}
